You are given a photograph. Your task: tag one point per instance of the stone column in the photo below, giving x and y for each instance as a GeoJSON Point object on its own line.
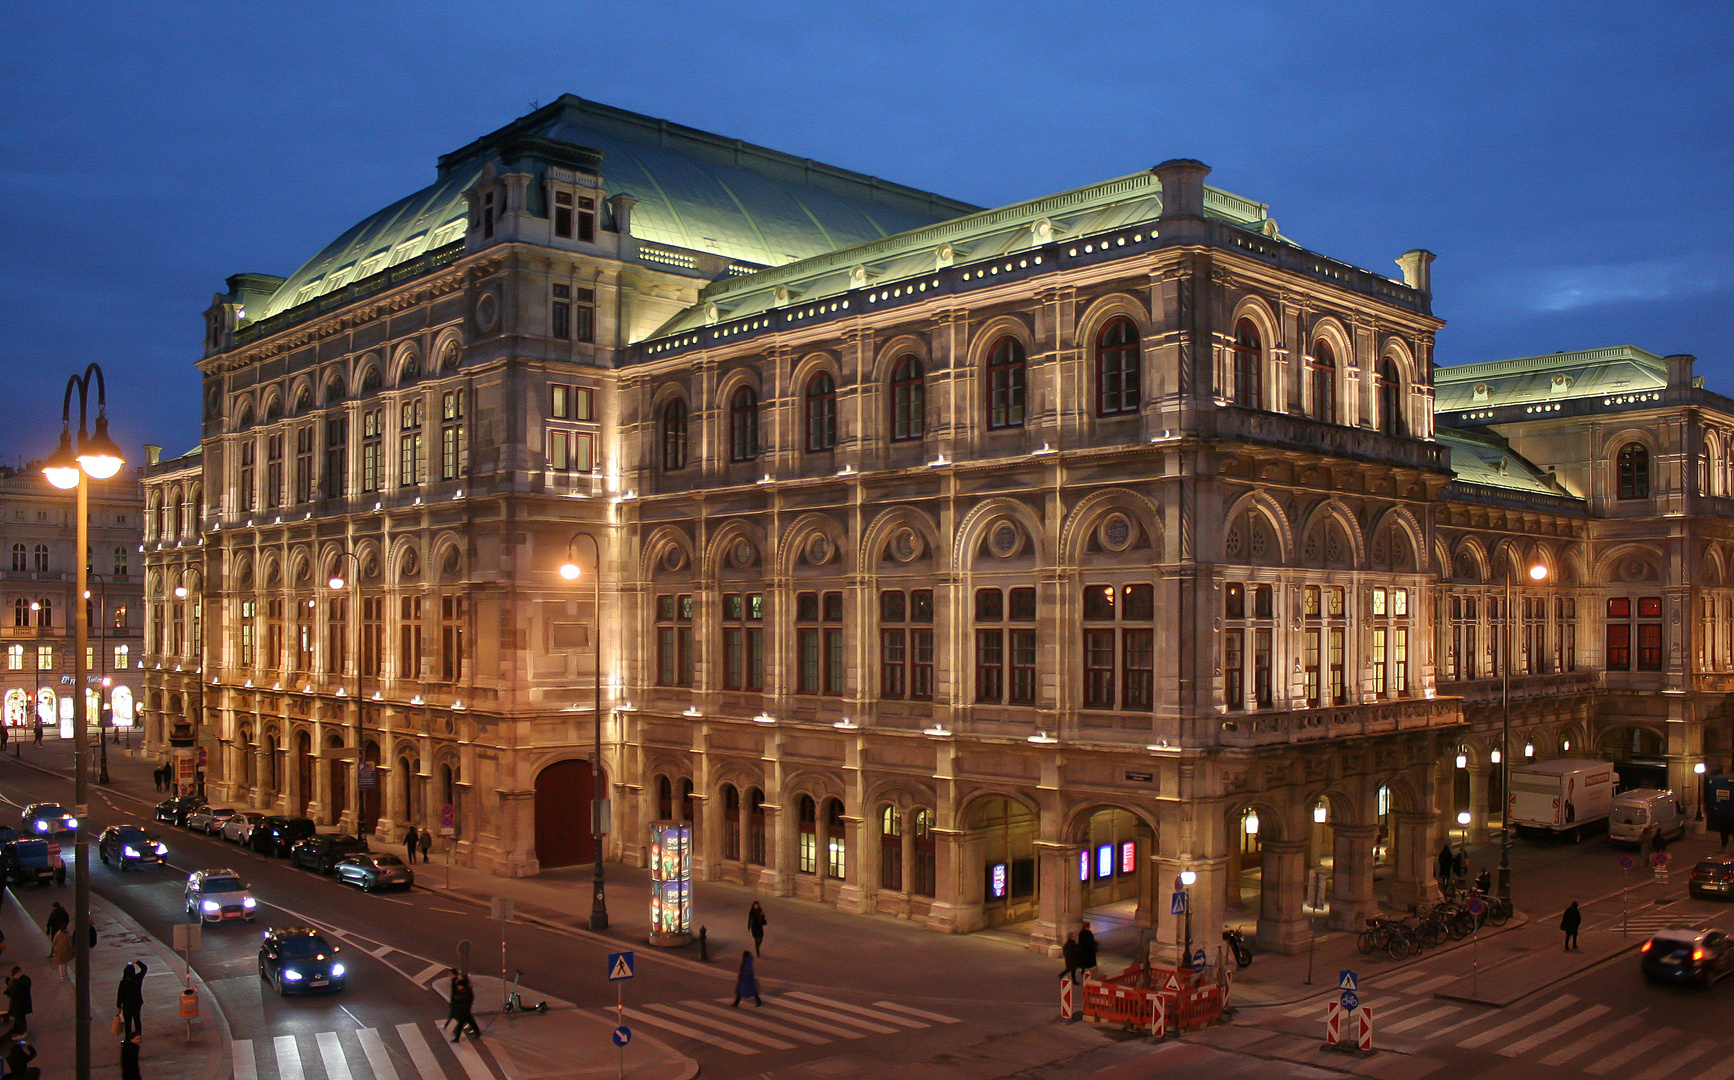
{"type": "Point", "coordinates": [1352, 899]}
{"type": "Point", "coordinates": [867, 856]}
{"type": "Point", "coordinates": [777, 878]}
{"type": "Point", "coordinates": [1415, 859]}
{"type": "Point", "coordinates": [1477, 808]}
{"type": "Point", "coordinates": [852, 897]}
{"type": "Point", "coordinates": [1058, 903]}
{"type": "Point", "coordinates": [956, 906]}
{"type": "Point", "coordinates": [1282, 927]}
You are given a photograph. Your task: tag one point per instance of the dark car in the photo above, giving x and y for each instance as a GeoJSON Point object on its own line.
{"type": "Point", "coordinates": [296, 960]}
{"type": "Point", "coordinates": [175, 810]}
{"type": "Point", "coordinates": [279, 835]}
{"type": "Point", "coordinates": [1695, 956]}
{"type": "Point", "coordinates": [126, 846]}
{"type": "Point", "coordinates": [26, 860]}
{"type": "Point", "coordinates": [48, 819]}
{"type": "Point", "coordinates": [322, 853]}
{"type": "Point", "coordinates": [1713, 877]}
{"type": "Point", "coordinates": [375, 871]}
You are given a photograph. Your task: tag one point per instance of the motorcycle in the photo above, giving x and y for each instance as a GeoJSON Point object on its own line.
{"type": "Point", "coordinates": [1237, 945]}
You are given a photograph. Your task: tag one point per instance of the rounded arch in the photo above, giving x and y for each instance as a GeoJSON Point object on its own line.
{"type": "Point", "coordinates": [243, 413]}
{"type": "Point", "coordinates": [1090, 510]}
{"type": "Point", "coordinates": [732, 379]}
{"type": "Point", "coordinates": [719, 552]}
{"type": "Point", "coordinates": [1470, 561]}
{"type": "Point", "coordinates": [450, 559]}
{"type": "Point", "coordinates": [448, 349]}
{"type": "Point", "coordinates": [973, 802]}
{"type": "Point", "coordinates": [812, 364]}
{"type": "Point", "coordinates": [370, 375]}
{"type": "Point", "coordinates": [895, 349]}
{"type": "Point", "coordinates": [899, 792]}
{"type": "Point", "coordinates": [1612, 565]}
{"type": "Point", "coordinates": [1344, 811]}
{"type": "Point", "coordinates": [1399, 518]}
{"type": "Point", "coordinates": [990, 333]}
{"type": "Point", "coordinates": [797, 534]}
{"type": "Point", "coordinates": [405, 563]}
{"type": "Point", "coordinates": [973, 527]}
{"type": "Point", "coordinates": [406, 366]}
{"type": "Point", "coordinates": [1273, 823]}
{"type": "Point", "coordinates": [1077, 820]}
{"type": "Point", "coordinates": [272, 409]}
{"type": "Point", "coordinates": [1260, 501]}
{"type": "Point", "coordinates": [1254, 340]}
{"type": "Point", "coordinates": [335, 389]}
{"type": "Point", "coordinates": [301, 393]}
{"type": "Point", "coordinates": [654, 558]}
{"type": "Point", "coordinates": [883, 527]}
{"type": "Point", "coordinates": [814, 784]}
{"type": "Point", "coordinates": [1333, 509]}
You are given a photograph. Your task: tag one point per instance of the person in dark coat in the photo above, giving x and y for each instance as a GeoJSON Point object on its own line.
{"type": "Point", "coordinates": [463, 1002]}
{"type": "Point", "coordinates": [1569, 922]}
{"type": "Point", "coordinates": [129, 1059]}
{"type": "Point", "coordinates": [756, 926]}
{"type": "Point", "coordinates": [409, 840]}
{"type": "Point", "coordinates": [129, 999]}
{"type": "Point", "coordinates": [1069, 956]}
{"type": "Point", "coordinates": [1460, 866]}
{"type": "Point", "coordinates": [58, 919]}
{"type": "Point", "coordinates": [746, 983]}
{"type": "Point", "coordinates": [18, 1003]}
{"type": "Point", "coordinates": [18, 1056]}
{"type": "Point", "coordinates": [1086, 949]}
{"type": "Point", "coordinates": [1445, 862]}
{"type": "Point", "coordinates": [1484, 881]}
{"type": "Point", "coordinates": [426, 843]}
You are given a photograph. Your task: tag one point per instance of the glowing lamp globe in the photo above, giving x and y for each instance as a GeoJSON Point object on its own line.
{"type": "Point", "coordinates": [1538, 572]}
{"type": "Point", "coordinates": [336, 582]}
{"type": "Point", "coordinates": [570, 571]}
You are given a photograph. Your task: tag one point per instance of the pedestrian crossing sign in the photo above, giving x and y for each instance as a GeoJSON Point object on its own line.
{"type": "Point", "coordinates": [619, 965]}
{"type": "Point", "coordinates": [1346, 980]}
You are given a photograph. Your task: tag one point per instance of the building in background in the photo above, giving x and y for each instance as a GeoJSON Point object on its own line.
{"type": "Point", "coordinates": [173, 558]}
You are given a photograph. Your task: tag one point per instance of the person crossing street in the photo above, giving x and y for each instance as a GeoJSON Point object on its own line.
{"type": "Point", "coordinates": [746, 982]}
{"type": "Point", "coordinates": [1570, 922]}
{"type": "Point", "coordinates": [756, 926]}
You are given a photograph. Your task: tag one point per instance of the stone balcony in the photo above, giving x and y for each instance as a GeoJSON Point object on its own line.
{"type": "Point", "coordinates": [1254, 730]}
{"type": "Point", "coordinates": [1292, 432]}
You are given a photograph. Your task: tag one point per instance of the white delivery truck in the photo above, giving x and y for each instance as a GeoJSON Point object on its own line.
{"type": "Point", "coordinates": [1562, 798]}
{"type": "Point", "coordinates": [1637, 812]}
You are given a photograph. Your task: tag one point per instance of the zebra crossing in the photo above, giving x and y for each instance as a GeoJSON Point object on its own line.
{"type": "Point", "coordinates": [786, 1022]}
{"type": "Point", "coordinates": [400, 1053]}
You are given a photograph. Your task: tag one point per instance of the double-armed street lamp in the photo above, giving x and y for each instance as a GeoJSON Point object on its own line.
{"type": "Point", "coordinates": [571, 571]}
{"type": "Point", "coordinates": [95, 458]}
{"type": "Point", "coordinates": [337, 585]}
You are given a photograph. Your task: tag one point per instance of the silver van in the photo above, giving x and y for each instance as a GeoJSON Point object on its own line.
{"type": "Point", "coordinates": [1640, 809]}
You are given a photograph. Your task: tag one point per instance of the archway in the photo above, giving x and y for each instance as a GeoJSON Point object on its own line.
{"type": "Point", "coordinates": [303, 773]}
{"type": "Point", "coordinates": [1113, 881]}
{"type": "Point", "coordinates": [409, 791]}
{"type": "Point", "coordinates": [564, 791]}
{"type": "Point", "coordinates": [1003, 834]}
{"type": "Point", "coordinates": [1639, 757]}
{"type": "Point", "coordinates": [336, 783]}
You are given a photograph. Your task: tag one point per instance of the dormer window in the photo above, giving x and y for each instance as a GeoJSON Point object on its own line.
{"type": "Point", "coordinates": [488, 213]}
{"type": "Point", "coordinates": [566, 215]}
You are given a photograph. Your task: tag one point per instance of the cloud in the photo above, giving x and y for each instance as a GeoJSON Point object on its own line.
{"type": "Point", "coordinates": [1575, 287]}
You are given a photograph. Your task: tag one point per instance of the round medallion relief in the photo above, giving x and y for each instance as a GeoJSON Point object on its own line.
{"type": "Point", "coordinates": [906, 545]}
{"type": "Point", "coordinates": [741, 554]}
{"type": "Point", "coordinates": [819, 549]}
{"type": "Point", "coordinates": [673, 558]}
{"type": "Point", "coordinates": [487, 313]}
{"type": "Point", "coordinates": [1004, 539]}
{"type": "Point", "coordinates": [1115, 533]}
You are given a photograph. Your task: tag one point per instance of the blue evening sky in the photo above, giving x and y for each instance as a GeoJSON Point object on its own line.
{"type": "Point", "coordinates": [1568, 161]}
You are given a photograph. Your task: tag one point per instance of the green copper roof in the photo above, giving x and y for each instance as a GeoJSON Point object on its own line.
{"type": "Point", "coordinates": [695, 190]}
{"type": "Point", "coordinates": [1486, 459]}
{"type": "Point", "coordinates": [1556, 377]}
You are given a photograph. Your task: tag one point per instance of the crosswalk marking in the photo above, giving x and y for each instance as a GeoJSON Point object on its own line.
{"type": "Point", "coordinates": [1386, 1013]}
{"type": "Point", "coordinates": [1614, 1060]}
{"type": "Point", "coordinates": [377, 1058]}
{"type": "Point", "coordinates": [1398, 978]}
{"type": "Point", "coordinates": [666, 1024]}
{"type": "Point", "coordinates": [1674, 1061]}
{"type": "Point", "coordinates": [1591, 1041]}
{"type": "Point", "coordinates": [1433, 984]}
{"type": "Point", "coordinates": [753, 1019]}
{"type": "Point", "coordinates": [331, 1051]}
{"type": "Point", "coordinates": [856, 1009]}
{"type": "Point", "coordinates": [288, 1058]}
{"type": "Point", "coordinates": [1308, 1009]}
{"type": "Point", "coordinates": [1548, 1034]}
{"type": "Point", "coordinates": [799, 1006]}
{"type": "Point", "coordinates": [729, 1028]}
{"type": "Point", "coordinates": [1417, 1021]}
{"type": "Point", "coordinates": [1722, 1070]}
{"type": "Point", "coordinates": [820, 1025]}
{"type": "Point", "coordinates": [245, 1067]}
{"type": "Point", "coordinates": [1558, 1003]}
{"type": "Point", "coordinates": [474, 1066]}
{"type": "Point", "coordinates": [420, 1053]}
{"type": "Point", "coordinates": [922, 1014]}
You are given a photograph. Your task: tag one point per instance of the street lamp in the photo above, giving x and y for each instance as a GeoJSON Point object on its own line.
{"type": "Point", "coordinates": [1463, 819]}
{"type": "Point", "coordinates": [337, 584]}
{"type": "Point", "coordinates": [36, 665]}
{"type": "Point", "coordinates": [1698, 819]}
{"type": "Point", "coordinates": [98, 458]}
{"type": "Point", "coordinates": [1187, 877]}
{"type": "Point", "coordinates": [103, 680]}
{"type": "Point", "coordinates": [1537, 574]}
{"type": "Point", "coordinates": [570, 571]}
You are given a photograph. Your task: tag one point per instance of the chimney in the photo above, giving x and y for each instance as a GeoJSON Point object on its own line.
{"type": "Point", "coordinates": [1182, 181]}
{"type": "Point", "coordinates": [153, 454]}
{"type": "Point", "coordinates": [1680, 370]}
{"type": "Point", "coordinates": [1418, 270]}
{"type": "Point", "coordinates": [623, 204]}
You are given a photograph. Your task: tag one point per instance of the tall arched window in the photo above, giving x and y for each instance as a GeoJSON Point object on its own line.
{"type": "Point", "coordinates": [45, 613]}
{"type": "Point", "coordinates": [20, 612]}
{"type": "Point", "coordinates": [41, 558]}
{"type": "Point", "coordinates": [1634, 471]}
{"type": "Point", "coordinates": [674, 435]}
{"type": "Point", "coordinates": [925, 863]}
{"type": "Point", "coordinates": [1117, 379]}
{"type": "Point", "coordinates": [808, 829]}
{"type": "Point", "coordinates": [120, 562]}
{"type": "Point", "coordinates": [1005, 384]}
{"type": "Point", "coordinates": [1390, 385]}
{"type": "Point", "coordinates": [821, 412]}
{"type": "Point", "coordinates": [908, 400]}
{"type": "Point", "coordinates": [1324, 372]}
{"type": "Point", "coordinates": [836, 842]}
{"type": "Point", "coordinates": [743, 424]}
{"type": "Point", "coordinates": [1248, 359]}
{"type": "Point", "coordinates": [755, 826]}
{"type": "Point", "coordinates": [20, 559]}
{"type": "Point", "coordinates": [890, 849]}
{"type": "Point", "coordinates": [731, 822]}
{"type": "Point", "coordinates": [664, 799]}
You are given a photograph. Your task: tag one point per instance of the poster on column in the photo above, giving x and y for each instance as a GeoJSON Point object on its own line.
{"type": "Point", "coordinates": [670, 882]}
{"type": "Point", "coordinates": [186, 768]}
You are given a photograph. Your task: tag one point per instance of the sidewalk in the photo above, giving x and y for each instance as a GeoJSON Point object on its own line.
{"type": "Point", "coordinates": [165, 1050]}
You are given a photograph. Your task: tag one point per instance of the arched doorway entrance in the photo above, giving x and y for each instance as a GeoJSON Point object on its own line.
{"type": "Point", "coordinates": [303, 773]}
{"type": "Point", "coordinates": [1113, 879]}
{"type": "Point", "coordinates": [564, 791]}
{"type": "Point", "coordinates": [1003, 833]}
{"type": "Point", "coordinates": [336, 783]}
{"type": "Point", "coordinates": [1639, 757]}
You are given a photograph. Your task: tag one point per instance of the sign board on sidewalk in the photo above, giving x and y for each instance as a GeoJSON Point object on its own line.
{"type": "Point", "coordinates": [1662, 858]}
{"type": "Point", "coordinates": [619, 966]}
{"type": "Point", "coordinates": [670, 882]}
{"type": "Point", "coordinates": [1364, 1029]}
{"type": "Point", "coordinates": [1333, 1023]}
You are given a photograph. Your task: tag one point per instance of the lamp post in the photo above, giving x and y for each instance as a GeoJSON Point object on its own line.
{"type": "Point", "coordinates": [1463, 819]}
{"type": "Point", "coordinates": [102, 677]}
{"type": "Point", "coordinates": [1187, 877]}
{"type": "Point", "coordinates": [182, 593]}
{"type": "Point", "coordinates": [36, 666]}
{"type": "Point", "coordinates": [570, 571]}
{"type": "Point", "coordinates": [1537, 574]}
{"type": "Point", "coordinates": [97, 458]}
{"type": "Point", "coordinates": [1699, 770]}
{"type": "Point", "coordinates": [337, 584]}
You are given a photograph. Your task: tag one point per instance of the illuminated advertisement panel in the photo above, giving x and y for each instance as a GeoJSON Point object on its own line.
{"type": "Point", "coordinates": [670, 882]}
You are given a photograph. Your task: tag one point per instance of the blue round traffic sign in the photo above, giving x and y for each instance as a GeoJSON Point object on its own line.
{"type": "Point", "coordinates": [1351, 1000]}
{"type": "Point", "coordinates": [622, 1035]}
{"type": "Point", "coordinates": [1476, 905]}
{"type": "Point", "coordinates": [1199, 959]}
{"type": "Point", "coordinates": [1626, 862]}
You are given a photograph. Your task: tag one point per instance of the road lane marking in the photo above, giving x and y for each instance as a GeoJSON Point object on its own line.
{"type": "Point", "coordinates": [1674, 1061]}
{"type": "Point", "coordinates": [1528, 1018]}
{"type": "Point", "coordinates": [727, 1029]}
{"type": "Point", "coordinates": [474, 1066]}
{"type": "Point", "coordinates": [1386, 1015]}
{"type": "Point", "coordinates": [1591, 1041]}
{"type": "Point", "coordinates": [245, 1067]}
{"type": "Point", "coordinates": [917, 1012]}
{"type": "Point", "coordinates": [288, 1058]}
{"type": "Point", "coordinates": [1432, 984]}
{"type": "Point", "coordinates": [779, 1026]}
{"type": "Point", "coordinates": [816, 1024]}
{"type": "Point", "coordinates": [1417, 1021]}
{"type": "Point", "coordinates": [856, 1009]}
{"type": "Point", "coordinates": [331, 1052]}
{"type": "Point", "coordinates": [430, 973]}
{"type": "Point", "coordinates": [1391, 982]}
{"type": "Point", "coordinates": [1626, 1053]}
{"type": "Point", "coordinates": [1722, 1070]}
{"type": "Point", "coordinates": [800, 1006]}
{"type": "Point", "coordinates": [378, 1058]}
{"type": "Point", "coordinates": [420, 1053]}
{"type": "Point", "coordinates": [1548, 1034]}
{"type": "Point", "coordinates": [666, 1024]}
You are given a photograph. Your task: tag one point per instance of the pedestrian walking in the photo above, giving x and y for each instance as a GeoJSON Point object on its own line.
{"type": "Point", "coordinates": [58, 920]}
{"type": "Point", "coordinates": [746, 983]}
{"type": "Point", "coordinates": [1444, 863]}
{"type": "Point", "coordinates": [18, 1057]}
{"type": "Point", "coordinates": [463, 1004]}
{"type": "Point", "coordinates": [129, 1059]}
{"type": "Point", "coordinates": [129, 999]}
{"type": "Point", "coordinates": [426, 843]}
{"type": "Point", "coordinates": [1086, 949]}
{"type": "Point", "coordinates": [61, 951]}
{"type": "Point", "coordinates": [1069, 957]}
{"type": "Point", "coordinates": [38, 740]}
{"type": "Point", "coordinates": [1484, 881]}
{"type": "Point", "coordinates": [1646, 843]}
{"type": "Point", "coordinates": [756, 926]}
{"type": "Point", "coordinates": [18, 1003]}
{"type": "Point", "coordinates": [1569, 922]}
{"type": "Point", "coordinates": [409, 839]}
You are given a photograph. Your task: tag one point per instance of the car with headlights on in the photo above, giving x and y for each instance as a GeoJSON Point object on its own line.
{"type": "Point", "coordinates": [48, 819]}
{"type": "Point", "coordinates": [126, 846]}
{"type": "Point", "coordinates": [208, 819]}
{"type": "Point", "coordinates": [175, 810]}
{"type": "Point", "coordinates": [1698, 956]}
{"type": "Point", "coordinates": [278, 835]}
{"type": "Point", "coordinates": [239, 827]}
{"type": "Point", "coordinates": [218, 896]}
{"type": "Point", "coordinates": [297, 960]}
{"type": "Point", "coordinates": [374, 870]}
{"type": "Point", "coordinates": [323, 852]}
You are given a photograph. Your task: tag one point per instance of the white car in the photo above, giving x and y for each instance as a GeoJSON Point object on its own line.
{"type": "Point", "coordinates": [209, 819]}
{"type": "Point", "coordinates": [218, 896]}
{"type": "Point", "coordinates": [239, 828]}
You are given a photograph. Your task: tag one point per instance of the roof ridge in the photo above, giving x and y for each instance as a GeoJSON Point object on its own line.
{"type": "Point", "coordinates": [1463, 372]}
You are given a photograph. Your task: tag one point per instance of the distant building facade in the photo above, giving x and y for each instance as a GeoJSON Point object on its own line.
{"type": "Point", "coordinates": [981, 567]}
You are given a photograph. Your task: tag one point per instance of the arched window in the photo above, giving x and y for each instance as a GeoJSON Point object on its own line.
{"type": "Point", "coordinates": [1117, 379]}
{"type": "Point", "coordinates": [664, 799]}
{"type": "Point", "coordinates": [303, 401]}
{"type": "Point", "coordinates": [908, 400]}
{"type": "Point", "coordinates": [1390, 386]}
{"type": "Point", "coordinates": [808, 828]}
{"type": "Point", "coordinates": [1324, 372]}
{"type": "Point", "coordinates": [925, 863]}
{"type": "Point", "coordinates": [42, 558]}
{"type": "Point", "coordinates": [755, 826]}
{"type": "Point", "coordinates": [821, 412]}
{"type": "Point", "coordinates": [674, 436]}
{"type": "Point", "coordinates": [744, 425]}
{"type": "Point", "coordinates": [334, 390]}
{"type": "Point", "coordinates": [890, 849]}
{"type": "Point", "coordinates": [1634, 471]}
{"type": "Point", "coordinates": [731, 822]}
{"type": "Point", "coordinates": [120, 562]}
{"type": "Point", "coordinates": [686, 802]}
{"type": "Point", "coordinates": [45, 613]}
{"type": "Point", "coordinates": [1005, 384]}
{"type": "Point", "coordinates": [836, 840]}
{"type": "Point", "coordinates": [411, 370]}
{"type": "Point", "coordinates": [1248, 363]}
{"type": "Point", "coordinates": [20, 559]}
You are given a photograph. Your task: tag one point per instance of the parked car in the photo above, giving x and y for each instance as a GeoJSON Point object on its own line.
{"type": "Point", "coordinates": [209, 819]}
{"type": "Point", "coordinates": [278, 835]}
{"type": "Point", "coordinates": [375, 870]}
{"type": "Point", "coordinates": [296, 960]}
{"type": "Point", "coordinates": [322, 853]}
{"type": "Point", "coordinates": [218, 896]}
{"type": "Point", "coordinates": [175, 810]}
{"type": "Point", "coordinates": [239, 827]}
{"type": "Point", "coordinates": [26, 861]}
{"type": "Point", "coordinates": [1646, 810]}
{"type": "Point", "coordinates": [48, 819]}
{"type": "Point", "coordinates": [124, 846]}
{"type": "Point", "coordinates": [1713, 877]}
{"type": "Point", "coordinates": [1685, 955]}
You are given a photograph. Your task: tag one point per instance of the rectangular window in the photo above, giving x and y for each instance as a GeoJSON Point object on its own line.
{"type": "Point", "coordinates": [1379, 661]}
{"type": "Point", "coordinates": [1400, 661]}
{"type": "Point", "coordinates": [1234, 668]}
{"type": "Point", "coordinates": [1567, 633]}
{"type": "Point", "coordinates": [819, 643]}
{"type": "Point", "coordinates": [1261, 659]}
{"type": "Point", "coordinates": [45, 658]}
{"type": "Point", "coordinates": [675, 662]}
{"type": "Point", "coordinates": [409, 631]}
{"type": "Point", "coordinates": [1649, 646]}
{"type": "Point", "coordinates": [1119, 649]}
{"type": "Point", "coordinates": [304, 464]}
{"type": "Point", "coordinates": [1310, 664]}
{"type": "Point", "coordinates": [454, 612]}
{"type": "Point", "coordinates": [273, 470]}
{"type": "Point", "coordinates": [583, 316]}
{"type": "Point", "coordinates": [273, 631]}
{"type": "Point", "coordinates": [337, 635]}
{"type": "Point", "coordinates": [409, 457]}
{"type": "Point", "coordinates": [372, 460]}
{"type": "Point", "coordinates": [245, 480]}
{"type": "Point", "coordinates": [15, 657]}
{"type": "Point", "coordinates": [454, 436]}
{"type": "Point", "coordinates": [336, 457]}
{"type": "Point", "coordinates": [372, 634]}
{"type": "Point", "coordinates": [249, 628]}
{"type": "Point", "coordinates": [572, 403]}
{"type": "Point", "coordinates": [563, 214]}
{"type": "Point", "coordinates": [1619, 646]}
{"type": "Point", "coordinates": [1339, 686]}
{"type": "Point", "coordinates": [571, 451]}
{"type": "Point", "coordinates": [1005, 652]}
{"type": "Point", "coordinates": [560, 311]}
{"type": "Point", "coordinates": [743, 641]}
